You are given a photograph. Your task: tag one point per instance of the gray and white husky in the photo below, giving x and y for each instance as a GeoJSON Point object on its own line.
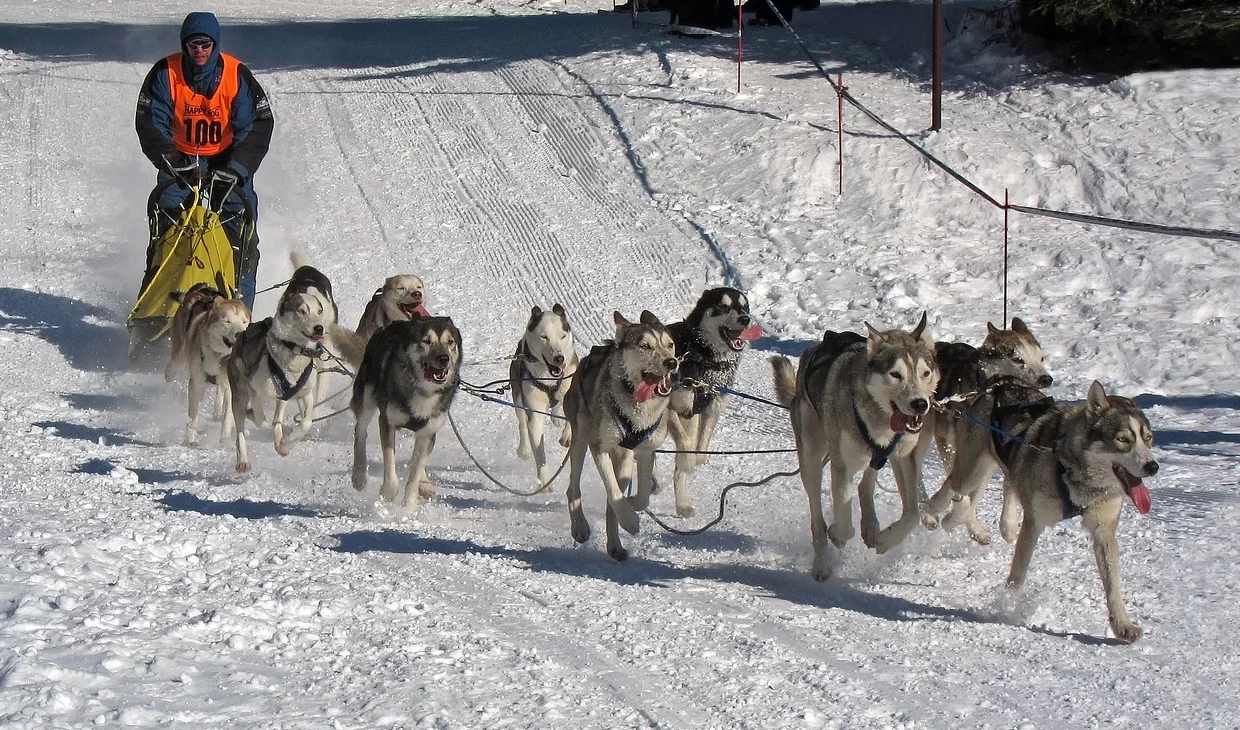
{"type": "Point", "coordinates": [859, 403]}
{"type": "Point", "coordinates": [540, 374]}
{"type": "Point", "coordinates": [617, 407]}
{"type": "Point", "coordinates": [964, 371]}
{"type": "Point", "coordinates": [400, 298]}
{"type": "Point", "coordinates": [408, 376]}
{"type": "Point", "coordinates": [277, 360]}
{"type": "Point", "coordinates": [709, 343]}
{"type": "Point", "coordinates": [1059, 461]}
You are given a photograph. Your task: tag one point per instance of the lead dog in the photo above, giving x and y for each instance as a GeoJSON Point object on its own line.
{"type": "Point", "coordinates": [1059, 462]}
{"type": "Point", "coordinates": [853, 401]}
{"type": "Point", "coordinates": [540, 374]}
{"type": "Point", "coordinates": [408, 377]}
{"type": "Point", "coordinates": [203, 332]}
{"type": "Point", "coordinates": [276, 360]}
{"type": "Point", "coordinates": [617, 407]}
{"type": "Point", "coordinates": [709, 344]}
{"type": "Point", "coordinates": [965, 371]}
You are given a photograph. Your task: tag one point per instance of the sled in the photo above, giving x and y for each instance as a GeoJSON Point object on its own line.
{"type": "Point", "coordinates": [186, 248]}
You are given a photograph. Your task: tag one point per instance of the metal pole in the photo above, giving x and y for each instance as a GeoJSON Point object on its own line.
{"type": "Point", "coordinates": [936, 73]}
{"type": "Point", "coordinates": [1005, 256]}
{"type": "Point", "coordinates": [839, 124]}
{"type": "Point", "coordinates": [740, 26]}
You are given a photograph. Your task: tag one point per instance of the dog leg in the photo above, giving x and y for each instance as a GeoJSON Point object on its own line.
{"type": "Point", "coordinates": [422, 446]}
{"type": "Point", "coordinates": [644, 460]}
{"type": "Point", "coordinates": [523, 428]}
{"type": "Point", "coordinates": [869, 516]}
{"type": "Point", "coordinates": [1025, 543]}
{"type": "Point", "coordinates": [907, 478]}
{"type": "Point", "coordinates": [566, 433]}
{"type": "Point", "coordinates": [196, 386]}
{"type": "Point", "coordinates": [622, 461]}
{"type": "Point", "coordinates": [614, 547]}
{"type": "Point", "coordinates": [706, 429]}
{"type": "Point", "coordinates": [361, 423]}
{"type": "Point", "coordinates": [1100, 521]}
{"type": "Point", "coordinates": [387, 442]}
{"type": "Point", "coordinates": [623, 511]}
{"type": "Point", "coordinates": [537, 440]}
{"type": "Point", "coordinates": [576, 516]}
{"type": "Point", "coordinates": [240, 402]}
{"type": "Point", "coordinates": [842, 493]}
{"type": "Point", "coordinates": [684, 435]}
{"type": "Point", "coordinates": [306, 401]}
{"type": "Point", "coordinates": [425, 490]}
{"type": "Point", "coordinates": [977, 531]}
{"type": "Point", "coordinates": [810, 455]}
{"type": "Point", "coordinates": [277, 426]}
{"type": "Point", "coordinates": [1009, 519]}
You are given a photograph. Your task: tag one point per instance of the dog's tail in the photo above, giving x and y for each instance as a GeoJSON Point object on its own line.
{"type": "Point", "coordinates": [785, 379]}
{"type": "Point", "coordinates": [348, 344]}
{"type": "Point", "coordinates": [298, 259]}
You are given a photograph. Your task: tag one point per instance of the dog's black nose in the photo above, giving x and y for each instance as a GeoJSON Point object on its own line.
{"type": "Point", "coordinates": [441, 361]}
{"type": "Point", "coordinates": [743, 320]}
{"type": "Point", "coordinates": [558, 360]}
{"type": "Point", "coordinates": [1045, 381]}
{"type": "Point", "coordinates": [1151, 468]}
{"type": "Point", "coordinates": [920, 405]}
{"type": "Point", "coordinates": [671, 363]}
{"type": "Point", "coordinates": [318, 329]}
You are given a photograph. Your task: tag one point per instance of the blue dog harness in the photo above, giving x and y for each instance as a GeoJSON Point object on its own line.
{"type": "Point", "coordinates": [878, 454]}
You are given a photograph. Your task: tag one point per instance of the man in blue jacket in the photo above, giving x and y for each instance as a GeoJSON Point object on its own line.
{"type": "Point", "coordinates": [202, 111]}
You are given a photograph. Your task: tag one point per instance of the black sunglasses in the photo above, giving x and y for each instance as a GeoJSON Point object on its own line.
{"type": "Point", "coordinates": [199, 44]}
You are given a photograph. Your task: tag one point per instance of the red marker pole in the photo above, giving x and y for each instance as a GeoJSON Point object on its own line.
{"type": "Point", "coordinates": [1005, 255]}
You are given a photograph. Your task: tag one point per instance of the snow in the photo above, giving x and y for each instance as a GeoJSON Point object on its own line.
{"type": "Point", "coordinates": [520, 153]}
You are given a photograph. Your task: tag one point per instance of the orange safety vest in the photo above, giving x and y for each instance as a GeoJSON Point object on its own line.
{"type": "Point", "coordinates": [202, 126]}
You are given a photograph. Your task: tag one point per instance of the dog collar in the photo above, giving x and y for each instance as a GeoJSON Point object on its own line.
{"type": "Point", "coordinates": [878, 454]}
{"type": "Point", "coordinates": [302, 349]}
{"type": "Point", "coordinates": [537, 382]}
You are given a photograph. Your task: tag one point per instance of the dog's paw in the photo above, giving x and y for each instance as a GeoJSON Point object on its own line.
{"type": "Point", "coordinates": [839, 537]}
{"type": "Point", "coordinates": [821, 571]}
{"type": "Point", "coordinates": [980, 534]}
{"type": "Point", "coordinates": [425, 490]}
{"type": "Point", "coordinates": [618, 553]}
{"type": "Point", "coordinates": [685, 510]}
{"type": "Point", "coordinates": [566, 439]}
{"type": "Point", "coordinates": [929, 520]}
{"type": "Point", "coordinates": [283, 449]}
{"type": "Point", "coordinates": [626, 517]}
{"type": "Point", "coordinates": [1008, 529]}
{"type": "Point", "coordinates": [1127, 632]}
{"type": "Point", "coordinates": [358, 478]}
{"type": "Point", "coordinates": [388, 491]}
{"type": "Point", "coordinates": [581, 531]}
{"type": "Point", "coordinates": [892, 536]}
{"type": "Point", "coordinates": [524, 453]}
{"type": "Point", "coordinates": [869, 533]}
{"type": "Point", "coordinates": [243, 467]}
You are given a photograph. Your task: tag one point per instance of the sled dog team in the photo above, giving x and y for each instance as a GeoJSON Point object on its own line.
{"type": "Point", "coordinates": [858, 404]}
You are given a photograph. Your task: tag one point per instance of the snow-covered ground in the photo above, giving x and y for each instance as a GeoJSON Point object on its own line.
{"type": "Point", "coordinates": [519, 153]}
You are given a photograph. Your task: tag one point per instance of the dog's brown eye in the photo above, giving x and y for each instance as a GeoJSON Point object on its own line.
{"type": "Point", "coordinates": [896, 375]}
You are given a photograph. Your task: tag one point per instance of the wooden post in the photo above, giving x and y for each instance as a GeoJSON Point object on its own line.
{"type": "Point", "coordinates": [936, 72]}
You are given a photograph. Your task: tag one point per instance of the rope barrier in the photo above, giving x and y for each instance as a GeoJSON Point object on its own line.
{"type": "Point", "coordinates": [959, 177]}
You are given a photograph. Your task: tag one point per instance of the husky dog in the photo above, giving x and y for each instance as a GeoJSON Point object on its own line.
{"type": "Point", "coordinates": [276, 359]}
{"type": "Point", "coordinates": [541, 372]}
{"type": "Point", "coordinates": [203, 332]}
{"type": "Point", "coordinates": [1059, 461]}
{"type": "Point", "coordinates": [853, 401]}
{"type": "Point", "coordinates": [616, 407]}
{"type": "Point", "coordinates": [399, 299]}
{"type": "Point", "coordinates": [709, 343]}
{"type": "Point", "coordinates": [965, 371]}
{"type": "Point", "coordinates": [409, 377]}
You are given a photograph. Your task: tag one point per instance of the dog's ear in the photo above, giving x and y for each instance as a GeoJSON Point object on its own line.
{"type": "Point", "coordinates": [874, 340]}
{"type": "Point", "coordinates": [535, 315]}
{"type": "Point", "coordinates": [1096, 402]}
{"type": "Point", "coordinates": [991, 329]}
{"type": "Point", "coordinates": [1018, 326]}
{"type": "Point", "coordinates": [557, 309]}
{"type": "Point", "coordinates": [648, 318]}
{"type": "Point", "coordinates": [922, 332]}
{"type": "Point", "coordinates": [622, 324]}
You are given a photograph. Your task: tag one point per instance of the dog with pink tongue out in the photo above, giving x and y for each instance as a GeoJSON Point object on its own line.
{"type": "Point", "coordinates": [709, 344]}
{"type": "Point", "coordinates": [1059, 461]}
{"type": "Point", "coordinates": [617, 410]}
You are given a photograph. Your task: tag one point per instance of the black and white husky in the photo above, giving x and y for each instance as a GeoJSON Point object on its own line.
{"type": "Point", "coordinates": [540, 374]}
{"type": "Point", "coordinates": [408, 376]}
{"type": "Point", "coordinates": [617, 407]}
{"type": "Point", "coordinates": [709, 343]}
{"type": "Point", "coordinates": [277, 359]}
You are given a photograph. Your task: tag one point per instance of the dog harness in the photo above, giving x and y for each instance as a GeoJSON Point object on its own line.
{"type": "Point", "coordinates": [284, 389]}
{"type": "Point", "coordinates": [631, 437]}
{"type": "Point", "coordinates": [878, 454]}
{"type": "Point", "coordinates": [1002, 440]}
{"type": "Point", "coordinates": [551, 390]}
